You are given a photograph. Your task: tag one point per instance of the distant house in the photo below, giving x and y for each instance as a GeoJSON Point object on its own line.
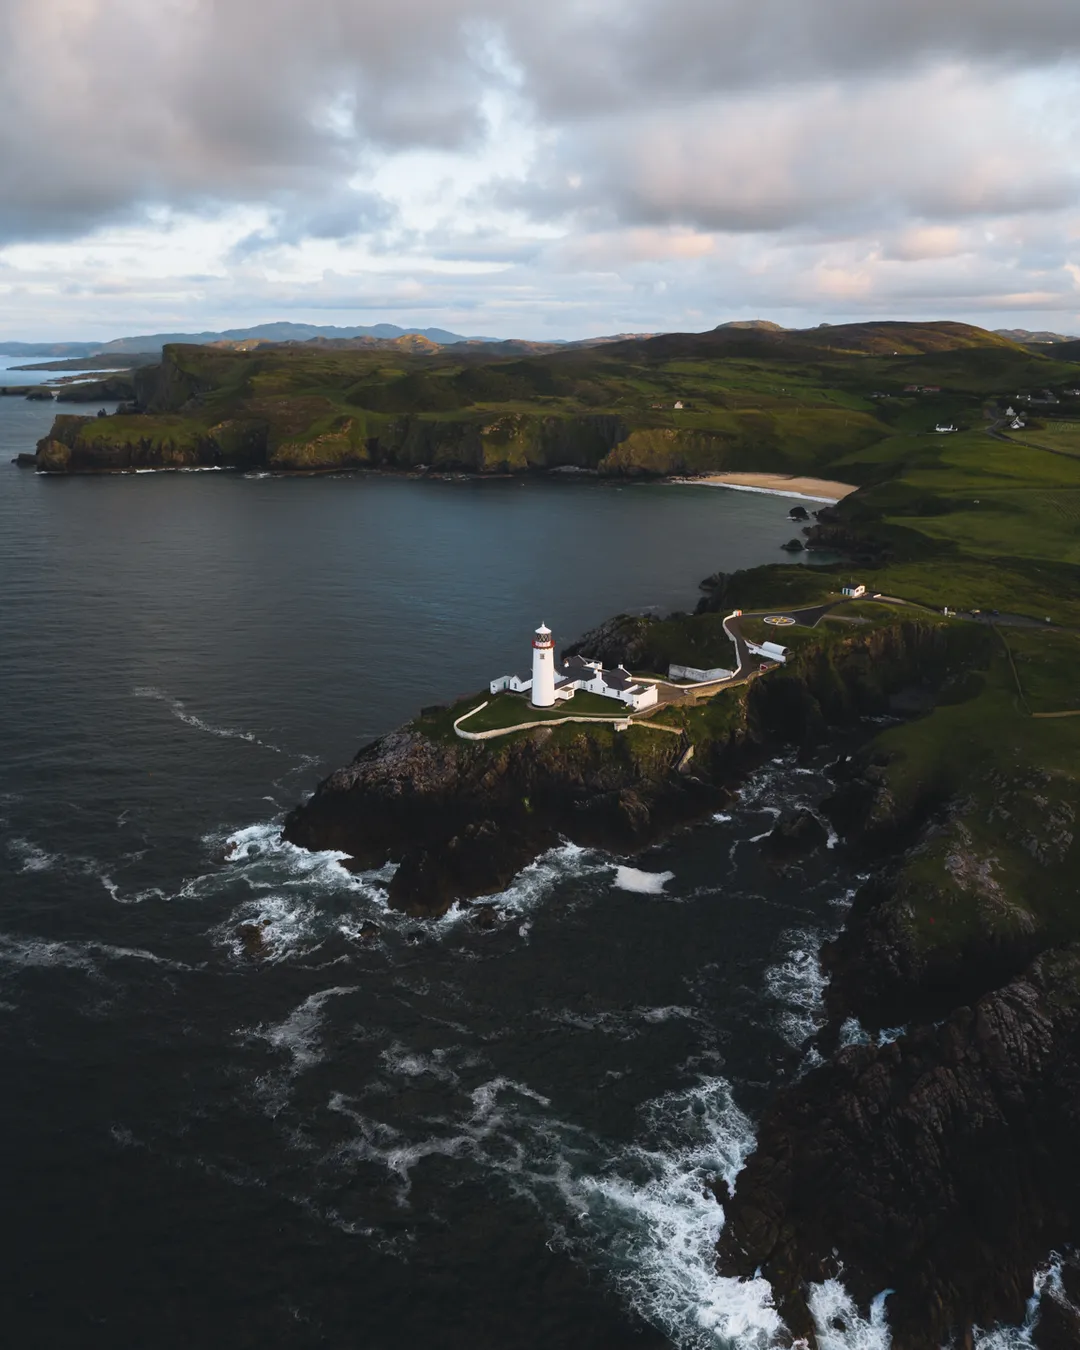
{"type": "Point", "coordinates": [1016, 425]}
{"type": "Point", "coordinates": [678, 403]}
{"type": "Point", "coordinates": [854, 591]}
{"type": "Point", "coordinates": [1071, 393]}
{"type": "Point", "coordinates": [931, 388]}
{"type": "Point", "coordinates": [1010, 412]}
{"type": "Point", "coordinates": [911, 388]}
{"type": "Point", "coordinates": [943, 428]}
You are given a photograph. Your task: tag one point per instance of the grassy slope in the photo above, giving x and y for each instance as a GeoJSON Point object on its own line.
{"type": "Point", "coordinates": [789, 402]}
{"type": "Point", "coordinates": [984, 524]}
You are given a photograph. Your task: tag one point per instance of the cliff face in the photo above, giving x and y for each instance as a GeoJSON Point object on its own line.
{"type": "Point", "coordinates": [309, 411]}
{"type": "Point", "coordinates": [462, 818]}
{"type": "Point", "coordinates": [119, 443]}
{"type": "Point", "coordinates": [942, 1166]}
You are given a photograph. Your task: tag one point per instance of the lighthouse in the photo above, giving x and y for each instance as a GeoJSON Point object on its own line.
{"type": "Point", "coordinates": [543, 668]}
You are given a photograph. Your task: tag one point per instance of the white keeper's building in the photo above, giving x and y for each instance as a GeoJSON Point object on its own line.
{"type": "Point", "coordinates": [554, 682]}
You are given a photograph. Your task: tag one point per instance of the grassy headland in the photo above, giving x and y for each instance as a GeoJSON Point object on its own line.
{"type": "Point", "coordinates": [814, 402]}
{"type": "Point", "coordinates": [972, 520]}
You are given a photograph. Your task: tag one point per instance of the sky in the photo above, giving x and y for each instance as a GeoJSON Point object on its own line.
{"type": "Point", "coordinates": [512, 168]}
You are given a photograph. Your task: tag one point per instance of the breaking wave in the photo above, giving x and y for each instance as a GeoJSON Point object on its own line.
{"type": "Point", "coordinates": [1048, 1286]}
{"type": "Point", "coordinates": [797, 984]}
{"type": "Point", "coordinates": [30, 857]}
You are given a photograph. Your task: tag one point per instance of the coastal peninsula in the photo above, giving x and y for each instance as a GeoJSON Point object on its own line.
{"type": "Point", "coordinates": [930, 1152]}
{"type": "Point", "coordinates": [733, 401]}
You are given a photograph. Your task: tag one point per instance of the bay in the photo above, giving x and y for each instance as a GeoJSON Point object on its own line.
{"type": "Point", "coordinates": [230, 1117]}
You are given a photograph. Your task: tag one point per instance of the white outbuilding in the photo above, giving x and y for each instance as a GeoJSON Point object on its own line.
{"type": "Point", "coordinates": [551, 683]}
{"type": "Point", "coordinates": [772, 651]}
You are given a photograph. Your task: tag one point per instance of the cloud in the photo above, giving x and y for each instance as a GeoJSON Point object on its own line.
{"type": "Point", "coordinates": [941, 145]}
{"type": "Point", "coordinates": [591, 163]}
{"type": "Point", "coordinates": [106, 105]}
{"type": "Point", "coordinates": [604, 55]}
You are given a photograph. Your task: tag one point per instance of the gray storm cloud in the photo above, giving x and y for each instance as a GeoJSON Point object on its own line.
{"type": "Point", "coordinates": [728, 114]}
{"type": "Point", "coordinates": [503, 166]}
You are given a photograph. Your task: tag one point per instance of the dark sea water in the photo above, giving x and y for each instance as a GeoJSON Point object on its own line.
{"type": "Point", "coordinates": [450, 1138]}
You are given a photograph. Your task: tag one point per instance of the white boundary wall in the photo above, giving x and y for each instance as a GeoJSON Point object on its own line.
{"type": "Point", "coordinates": [619, 723]}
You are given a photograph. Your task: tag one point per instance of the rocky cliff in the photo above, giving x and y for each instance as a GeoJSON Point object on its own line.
{"type": "Point", "coordinates": [461, 818]}
{"type": "Point", "coordinates": [942, 1166]}
{"type": "Point", "coordinates": [941, 1163]}
{"type": "Point", "coordinates": [289, 409]}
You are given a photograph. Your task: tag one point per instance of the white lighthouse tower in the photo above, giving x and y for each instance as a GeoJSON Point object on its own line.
{"type": "Point", "coordinates": [543, 668]}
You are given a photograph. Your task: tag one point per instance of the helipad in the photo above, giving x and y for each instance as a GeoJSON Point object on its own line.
{"type": "Point", "coordinates": [780, 620]}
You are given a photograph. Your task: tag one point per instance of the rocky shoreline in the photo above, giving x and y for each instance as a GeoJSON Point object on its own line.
{"type": "Point", "coordinates": [936, 1159]}
{"type": "Point", "coordinates": [937, 1163]}
{"type": "Point", "coordinates": [461, 819]}
{"type": "Point", "coordinates": [941, 1166]}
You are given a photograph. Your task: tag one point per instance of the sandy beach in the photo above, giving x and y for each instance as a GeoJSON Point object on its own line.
{"type": "Point", "coordinates": [785, 485]}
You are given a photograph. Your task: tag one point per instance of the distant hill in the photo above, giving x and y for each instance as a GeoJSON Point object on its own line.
{"type": "Point", "coordinates": [1067, 351]}
{"type": "Point", "coordinates": [749, 337]}
{"type": "Point", "coordinates": [770, 342]}
{"type": "Point", "coordinates": [750, 323]}
{"type": "Point", "coordinates": [152, 343]}
{"type": "Point", "coordinates": [279, 332]}
{"type": "Point", "coordinates": [46, 349]}
{"type": "Point", "coordinates": [1025, 335]}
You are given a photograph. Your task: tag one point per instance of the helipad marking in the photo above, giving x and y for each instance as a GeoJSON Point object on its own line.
{"type": "Point", "coordinates": [780, 620]}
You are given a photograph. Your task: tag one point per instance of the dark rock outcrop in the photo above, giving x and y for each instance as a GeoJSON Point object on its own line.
{"type": "Point", "coordinates": [112, 388]}
{"type": "Point", "coordinates": [793, 836]}
{"type": "Point", "coordinates": [943, 1165]}
{"type": "Point", "coordinates": [461, 818]}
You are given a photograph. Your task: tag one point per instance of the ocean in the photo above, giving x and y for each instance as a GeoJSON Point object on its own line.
{"type": "Point", "coordinates": [425, 1135]}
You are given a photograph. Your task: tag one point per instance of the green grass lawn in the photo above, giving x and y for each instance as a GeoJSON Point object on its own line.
{"type": "Point", "coordinates": [508, 710]}
{"type": "Point", "coordinates": [1063, 437]}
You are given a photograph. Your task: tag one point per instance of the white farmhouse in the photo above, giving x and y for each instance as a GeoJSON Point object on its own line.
{"type": "Point", "coordinates": [943, 428]}
{"type": "Point", "coordinates": [551, 683]}
{"type": "Point", "coordinates": [854, 591]}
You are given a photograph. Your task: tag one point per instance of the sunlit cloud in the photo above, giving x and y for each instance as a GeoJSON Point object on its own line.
{"type": "Point", "coordinates": [510, 169]}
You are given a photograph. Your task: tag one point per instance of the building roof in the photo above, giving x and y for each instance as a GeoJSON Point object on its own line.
{"type": "Point", "coordinates": [577, 668]}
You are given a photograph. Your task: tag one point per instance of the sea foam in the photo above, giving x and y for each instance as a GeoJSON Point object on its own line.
{"type": "Point", "coordinates": [644, 883]}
